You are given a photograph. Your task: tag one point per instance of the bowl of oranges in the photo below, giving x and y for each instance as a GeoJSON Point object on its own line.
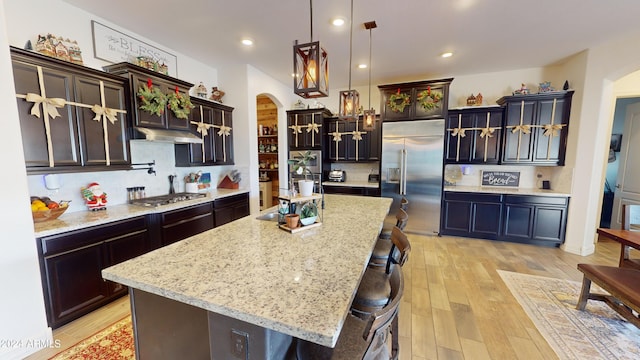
{"type": "Point", "coordinates": [45, 209]}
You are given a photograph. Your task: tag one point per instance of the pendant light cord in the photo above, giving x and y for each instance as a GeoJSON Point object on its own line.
{"type": "Point", "coordinates": [311, 18]}
{"type": "Point", "coordinates": [350, 44]}
{"type": "Point", "coordinates": [369, 68]}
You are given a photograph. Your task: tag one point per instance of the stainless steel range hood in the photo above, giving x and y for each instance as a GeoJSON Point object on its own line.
{"type": "Point", "coordinates": [172, 136]}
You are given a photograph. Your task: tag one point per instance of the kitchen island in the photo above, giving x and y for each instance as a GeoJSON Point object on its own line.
{"type": "Point", "coordinates": [250, 287]}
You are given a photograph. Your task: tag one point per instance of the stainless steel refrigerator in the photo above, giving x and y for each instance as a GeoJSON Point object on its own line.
{"type": "Point", "coordinates": [411, 166]}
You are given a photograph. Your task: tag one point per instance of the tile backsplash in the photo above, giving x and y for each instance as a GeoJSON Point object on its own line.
{"type": "Point", "coordinates": [531, 177]}
{"type": "Point", "coordinates": [357, 171]}
{"type": "Point", "coordinates": [115, 183]}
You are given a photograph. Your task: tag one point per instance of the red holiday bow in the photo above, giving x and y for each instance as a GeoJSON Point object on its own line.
{"type": "Point", "coordinates": [177, 92]}
{"type": "Point", "coordinates": [149, 83]}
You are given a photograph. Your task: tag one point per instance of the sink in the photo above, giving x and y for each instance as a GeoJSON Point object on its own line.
{"type": "Point", "coordinates": [273, 216]}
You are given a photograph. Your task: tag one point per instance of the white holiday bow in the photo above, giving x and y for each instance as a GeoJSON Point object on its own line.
{"type": "Point", "coordinates": [459, 132]}
{"type": "Point", "coordinates": [296, 128]}
{"type": "Point", "coordinates": [51, 103]}
{"type": "Point", "coordinates": [313, 127]}
{"type": "Point", "coordinates": [552, 130]}
{"type": "Point", "coordinates": [357, 135]}
{"type": "Point", "coordinates": [104, 112]}
{"type": "Point", "coordinates": [526, 129]}
{"type": "Point", "coordinates": [336, 136]}
{"type": "Point", "coordinates": [488, 132]}
{"type": "Point", "coordinates": [224, 130]}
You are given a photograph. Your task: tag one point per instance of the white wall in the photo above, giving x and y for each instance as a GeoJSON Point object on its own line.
{"type": "Point", "coordinates": [21, 304]}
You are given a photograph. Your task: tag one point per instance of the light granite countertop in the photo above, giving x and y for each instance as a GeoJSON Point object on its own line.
{"type": "Point", "coordinates": [506, 190]}
{"type": "Point", "coordinates": [83, 219]}
{"type": "Point", "coordinates": [351, 184]}
{"type": "Point", "coordinates": [298, 284]}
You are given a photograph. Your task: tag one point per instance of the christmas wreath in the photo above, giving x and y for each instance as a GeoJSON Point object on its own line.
{"type": "Point", "coordinates": [180, 105]}
{"type": "Point", "coordinates": [396, 106]}
{"type": "Point", "coordinates": [152, 99]}
{"type": "Point", "coordinates": [429, 99]}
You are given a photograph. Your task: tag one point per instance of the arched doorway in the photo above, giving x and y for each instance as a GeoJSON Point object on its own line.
{"type": "Point", "coordinates": [268, 148]}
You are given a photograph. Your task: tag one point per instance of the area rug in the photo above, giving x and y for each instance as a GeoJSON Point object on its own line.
{"type": "Point", "coordinates": [112, 343]}
{"type": "Point", "coordinates": [596, 333]}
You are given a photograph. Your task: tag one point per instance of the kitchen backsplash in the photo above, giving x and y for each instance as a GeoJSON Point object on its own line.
{"type": "Point", "coordinates": [528, 176]}
{"type": "Point", "coordinates": [357, 171]}
{"type": "Point", "coordinates": [115, 183]}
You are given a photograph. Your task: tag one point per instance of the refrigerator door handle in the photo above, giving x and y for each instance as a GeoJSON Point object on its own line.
{"type": "Point", "coordinates": [403, 173]}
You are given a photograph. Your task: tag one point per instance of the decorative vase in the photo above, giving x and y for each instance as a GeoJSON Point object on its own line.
{"type": "Point", "coordinates": [306, 187]}
{"type": "Point", "coordinates": [292, 220]}
{"type": "Point", "coordinates": [191, 187]}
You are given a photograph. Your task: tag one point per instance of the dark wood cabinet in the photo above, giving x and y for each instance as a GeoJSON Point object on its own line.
{"type": "Point", "coordinates": [72, 137]}
{"type": "Point", "coordinates": [473, 136]}
{"type": "Point", "coordinates": [351, 190]}
{"type": "Point", "coordinates": [536, 128]}
{"type": "Point", "coordinates": [182, 223]}
{"type": "Point", "coordinates": [138, 78]}
{"type": "Point", "coordinates": [539, 220]}
{"type": "Point", "coordinates": [471, 215]}
{"type": "Point", "coordinates": [304, 128]}
{"type": "Point", "coordinates": [215, 122]}
{"type": "Point", "coordinates": [354, 145]}
{"type": "Point", "coordinates": [415, 100]}
{"type": "Point", "coordinates": [530, 219]}
{"type": "Point", "coordinates": [230, 208]}
{"type": "Point", "coordinates": [71, 265]}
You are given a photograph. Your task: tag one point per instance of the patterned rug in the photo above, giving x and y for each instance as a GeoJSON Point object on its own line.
{"type": "Point", "coordinates": [112, 343]}
{"type": "Point", "coordinates": [596, 333]}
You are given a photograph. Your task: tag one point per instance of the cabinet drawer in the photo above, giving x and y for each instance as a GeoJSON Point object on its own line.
{"type": "Point", "coordinates": [475, 197]}
{"type": "Point", "coordinates": [532, 199]}
{"type": "Point", "coordinates": [231, 200]}
{"type": "Point", "coordinates": [72, 240]}
{"type": "Point", "coordinates": [176, 216]}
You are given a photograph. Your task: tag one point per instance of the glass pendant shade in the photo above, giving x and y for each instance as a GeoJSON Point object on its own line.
{"type": "Point", "coordinates": [369, 120]}
{"type": "Point", "coordinates": [311, 70]}
{"type": "Point", "coordinates": [349, 105]}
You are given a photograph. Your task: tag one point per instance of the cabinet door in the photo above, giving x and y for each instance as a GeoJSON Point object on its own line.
{"type": "Point", "coordinates": [485, 221]}
{"type": "Point", "coordinates": [396, 104]}
{"type": "Point", "coordinates": [486, 149]}
{"type": "Point", "coordinates": [549, 224]}
{"type": "Point", "coordinates": [337, 140]}
{"type": "Point", "coordinates": [518, 144]}
{"type": "Point", "coordinates": [74, 283]}
{"type": "Point", "coordinates": [222, 140]}
{"type": "Point", "coordinates": [63, 136]}
{"type": "Point", "coordinates": [144, 118]}
{"type": "Point", "coordinates": [174, 122]}
{"type": "Point", "coordinates": [93, 133]}
{"type": "Point", "coordinates": [199, 154]}
{"type": "Point", "coordinates": [430, 101]}
{"type": "Point", "coordinates": [456, 219]}
{"type": "Point", "coordinates": [518, 221]}
{"type": "Point", "coordinates": [459, 149]}
{"type": "Point", "coordinates": [374, 138]}
{"type": "Point", "coordinates": [231, 208]}
{"type": "Point", "coordinates": [123, 248]}
{"type": "Point", "coordinates": [549, 142]}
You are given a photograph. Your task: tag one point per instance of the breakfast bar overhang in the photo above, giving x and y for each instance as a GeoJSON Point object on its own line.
{"type": "Point", "coordinates": [249, 287]}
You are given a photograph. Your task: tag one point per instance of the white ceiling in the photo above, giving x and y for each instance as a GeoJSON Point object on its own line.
{"type": "Point", "coordinates": [485, 35]}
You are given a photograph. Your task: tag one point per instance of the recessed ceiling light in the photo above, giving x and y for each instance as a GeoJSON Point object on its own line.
{"type": "Point", "coordinates": [446, 54]}
{"type": "Point", "coordinates": [247, 42]}
{"type": "Point", "coordinates": [362, 66]}
{"type": "Point", "coordinates": [337, 22]}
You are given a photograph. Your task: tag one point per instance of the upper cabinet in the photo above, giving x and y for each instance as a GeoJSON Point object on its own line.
{"type": "Point", "coordinates": [536, 128]}
{"type": "Point", "coordinates": [213, 122]}
{"type": "Point", "coordinates": [473, 135]}
{"type": "Point", "coordinates": [304, 128]}
{"type": "Point", "coordinates": [348, 141]}
{"type": "Point", "coordinates": [148, 85]}
{"type": "Point", "coordinates": [415, 101]}
{"type": "Point", "coordinates": [71, 117]}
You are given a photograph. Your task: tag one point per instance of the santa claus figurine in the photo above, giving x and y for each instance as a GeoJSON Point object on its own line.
{"type": "Point", "coordinates": [94, 197]}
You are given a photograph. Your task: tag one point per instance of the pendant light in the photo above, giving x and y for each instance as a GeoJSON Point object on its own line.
{"type": "Point", "coordinates": [369, 116]}
{"type": "Point", "coordinates": [310, 67]}
{"type": "Point", "coordinates": [349, 99]}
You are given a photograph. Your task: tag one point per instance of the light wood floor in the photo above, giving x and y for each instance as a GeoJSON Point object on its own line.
{"type": "Point", "coordinates": [455, 304]}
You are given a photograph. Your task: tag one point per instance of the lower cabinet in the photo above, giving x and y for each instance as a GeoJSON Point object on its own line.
{"type": "Point", "coordinates": [179, 224]}
{"type": "Point", "coordinates": [351, 190]}
{"type": "Point", "coordinates": [230, 208]}
{"type": "Point", "coordinates": [71, 265]}
{"type": "Point", "coordinates": [530, 219]}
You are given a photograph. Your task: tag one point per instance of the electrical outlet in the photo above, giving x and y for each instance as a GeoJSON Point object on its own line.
{"type": "Point", "coordinates": [239, 344]}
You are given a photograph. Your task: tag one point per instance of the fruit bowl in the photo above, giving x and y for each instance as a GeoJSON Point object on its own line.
{"type": "Point", "coordinates": [49, 214]}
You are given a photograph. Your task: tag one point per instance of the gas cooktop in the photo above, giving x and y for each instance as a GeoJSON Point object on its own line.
{"type": "Point", "coordinates": [156, 201]}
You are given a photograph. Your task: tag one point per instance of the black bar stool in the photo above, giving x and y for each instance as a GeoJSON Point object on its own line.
{"type": "Point", "coordinates": [381, 251]}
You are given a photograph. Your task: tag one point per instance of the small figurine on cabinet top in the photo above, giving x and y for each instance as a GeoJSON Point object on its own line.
{"type": "Point", "coordinates": [216, 95]}
{"type": "Point", "coordinates": [471, 100]}
{"type": "Point", "coordinates": [201, 90]}
{"type": "Point", "coordinates": [545, 87]}
{"type": "Point", "coordinates": [522, 91]}
{"type": "Point", "coordinates": [479, 99]}
{"type": "Point", "coordinates": [94, 197]}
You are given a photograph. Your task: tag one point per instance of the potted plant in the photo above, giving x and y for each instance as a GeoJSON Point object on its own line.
{"type": "Point", "coordinates": [308, 213]}
{"type": "Point", "coordinates": [300, 167]}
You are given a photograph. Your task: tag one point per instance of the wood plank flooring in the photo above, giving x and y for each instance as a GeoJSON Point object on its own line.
{"type": "Point", "coordinates": [455, 305]}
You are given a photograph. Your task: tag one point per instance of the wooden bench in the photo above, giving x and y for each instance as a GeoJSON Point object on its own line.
{"type": "Point", "coordinates": [623, 285]}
